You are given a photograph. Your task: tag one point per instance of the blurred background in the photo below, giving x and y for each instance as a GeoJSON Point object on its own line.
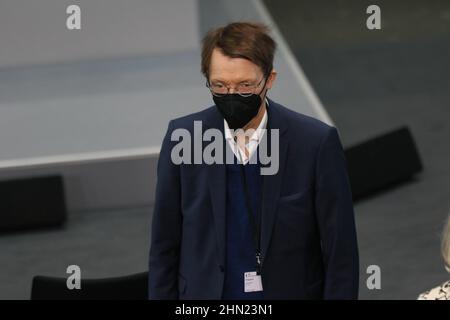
{"type": "Point", "coordinates": [83, 113]}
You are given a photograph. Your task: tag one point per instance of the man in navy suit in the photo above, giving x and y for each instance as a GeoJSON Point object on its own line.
{"type": "Point", "coordinates": [227, 230]}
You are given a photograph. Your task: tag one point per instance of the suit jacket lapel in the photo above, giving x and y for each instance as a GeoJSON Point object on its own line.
{"type": "Point", "coordinates": [272, 183]}
{"type": "Point", "coordinates": [217, 187]}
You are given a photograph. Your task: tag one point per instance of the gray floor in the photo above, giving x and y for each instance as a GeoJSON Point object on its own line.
{"type": "Point", "coordinates": [102, 244]}
{"type": "Point", "coordinates": [373, 82]}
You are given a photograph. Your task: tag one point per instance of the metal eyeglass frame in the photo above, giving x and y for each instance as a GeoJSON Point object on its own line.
{"type": "Point", "coordinates": [228, 89]}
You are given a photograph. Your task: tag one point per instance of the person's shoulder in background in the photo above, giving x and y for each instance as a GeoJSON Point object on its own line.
{"type": "Point", "coordinates": [441, 292]}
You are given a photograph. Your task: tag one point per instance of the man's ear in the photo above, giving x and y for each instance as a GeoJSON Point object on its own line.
{"type": "Point", "coordinates": [271, 79]}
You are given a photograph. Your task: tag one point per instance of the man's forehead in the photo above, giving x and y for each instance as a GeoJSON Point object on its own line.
{"type": "Point", "coordinates": [226, 68]}
{"type": "Point", "coordinates": [233, 74]}
{"type": "Point", "coordinates": [232, 78]}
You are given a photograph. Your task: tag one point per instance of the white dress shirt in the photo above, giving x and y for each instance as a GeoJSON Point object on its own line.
{"type": "Point", "coordinates": [254, 140]}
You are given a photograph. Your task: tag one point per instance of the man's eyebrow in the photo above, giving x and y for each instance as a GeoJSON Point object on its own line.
{"type": "Point", "coordinates": [240, 81]}
{"type": "Point", "coordinates": [216, 80]}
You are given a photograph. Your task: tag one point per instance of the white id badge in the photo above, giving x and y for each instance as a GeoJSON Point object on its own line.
{"type": "Point", "coordinates": [252, 282]}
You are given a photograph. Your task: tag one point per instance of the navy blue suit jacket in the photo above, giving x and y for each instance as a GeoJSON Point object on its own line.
{"type": "Point", "coordinates": [308, 235]}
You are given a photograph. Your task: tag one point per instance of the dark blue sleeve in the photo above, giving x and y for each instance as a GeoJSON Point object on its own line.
{"type": "Point", "coordinates": [166, 227]}
{"type": "Point", "coordinates": [336, 222]}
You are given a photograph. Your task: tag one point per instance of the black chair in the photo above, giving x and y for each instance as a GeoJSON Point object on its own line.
{"type": "Point", "coordinates": [131, 287]}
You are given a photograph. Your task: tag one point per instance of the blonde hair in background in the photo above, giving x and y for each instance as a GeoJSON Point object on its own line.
{"type": "Point", "coordinates": [445, 247]}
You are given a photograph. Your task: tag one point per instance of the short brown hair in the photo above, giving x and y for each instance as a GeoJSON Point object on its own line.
{"type": "Point", "coordinates": [246, 40]}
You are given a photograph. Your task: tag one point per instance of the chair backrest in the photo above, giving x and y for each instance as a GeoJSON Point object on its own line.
{"type": "Point", "coordinates": [131, 287]}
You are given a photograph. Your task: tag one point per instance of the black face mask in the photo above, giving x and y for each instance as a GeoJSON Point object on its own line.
{"type": "Point", "coordinates": [238, 110]}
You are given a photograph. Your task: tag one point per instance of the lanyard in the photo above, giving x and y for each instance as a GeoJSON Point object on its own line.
{"type": "Point", "coordinates": [255, 220]}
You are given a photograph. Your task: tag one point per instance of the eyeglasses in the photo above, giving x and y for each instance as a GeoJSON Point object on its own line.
{"type": "Point", "coordinates": [244, 89]}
